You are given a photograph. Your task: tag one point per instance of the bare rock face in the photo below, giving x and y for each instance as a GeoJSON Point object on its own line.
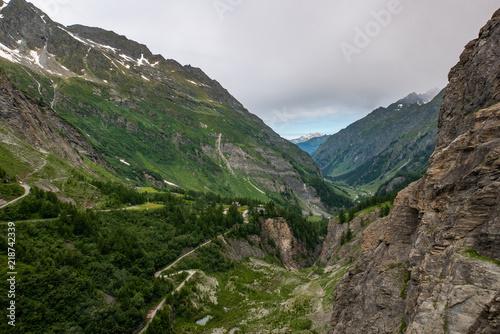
{"type": "Point", "coordinates": [473, 83]}
{"type": "Point", "coordinates": [278, 239]}
{"type": "Point", "coordinates": [433, 266]}
{"type": "Point", "coordinates": [333, 252]}
{"type": "Point", "coordinates": [41, 127]}
{"type": "Point", "coordinates": [237, 249]}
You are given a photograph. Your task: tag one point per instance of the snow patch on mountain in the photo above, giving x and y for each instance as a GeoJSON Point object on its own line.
{"type": "Point", "coordinates": [306, 138]}
{"type": "Point", "coordinates": [5, 4]}
{"type": "Point", "coordinates": [171, 184]}
{"type": "Point", "coordinates": [89, 42]}
{"type": "Point", "coordinates": [124, 162]}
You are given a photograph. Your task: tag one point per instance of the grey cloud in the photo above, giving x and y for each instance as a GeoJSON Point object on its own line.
{"type": "Point", "coordinates": [279, 54]}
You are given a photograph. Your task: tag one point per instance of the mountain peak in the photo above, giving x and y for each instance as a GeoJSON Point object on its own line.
{"type": "Point", "coordinates": [431, 93]}
{"type": "Point", "coordinates": [21, 20]}
{"type": "Point", "coordinates": [305, 138]}
{"type": "Point", "coordinates": [420, 99]}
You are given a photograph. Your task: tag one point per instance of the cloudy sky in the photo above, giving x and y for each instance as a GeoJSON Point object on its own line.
{"type": "Point", "coordinates": [302, 66]}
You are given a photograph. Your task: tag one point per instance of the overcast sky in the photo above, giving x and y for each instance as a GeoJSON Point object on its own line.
{"type": "Point", "coordinates": [302, 66]}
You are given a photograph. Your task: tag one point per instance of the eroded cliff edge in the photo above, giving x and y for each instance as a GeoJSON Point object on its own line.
{"type": "Point", "coordinates": [433, 266]}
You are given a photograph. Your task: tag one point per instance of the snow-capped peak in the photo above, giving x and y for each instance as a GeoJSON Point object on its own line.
{"type": "Point", "coordinates": [306, 138]}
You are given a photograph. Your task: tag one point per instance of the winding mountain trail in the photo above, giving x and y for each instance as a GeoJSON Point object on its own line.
{"type": "Point", "coordinates": [26, 193]}
{"type": "Point", "coordinates": [158, 273]}
{"type": "Point", "coordinates": [152, 312]}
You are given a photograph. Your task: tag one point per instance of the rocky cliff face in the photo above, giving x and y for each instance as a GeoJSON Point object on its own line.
{"type": "Point", "coordinates": [278, 239]}
{"type": "Point", "coordinates": [433, 266]}
{"type": "Point", "coordinates": [333, 252]}
{"type": "Point", "coordinates": [40, 127]}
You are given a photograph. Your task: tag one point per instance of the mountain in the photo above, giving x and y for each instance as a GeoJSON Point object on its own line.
{"type": "Point", "coordinates": [311, 145]}
{"type": "Point", "coordinates": [389, 140]}
{"type": "Point", "coordinates": [149, 120]}
{"type": "Point", "coordinates": [433, 265]}
{"type": "Point", "coordinates": [305, 138]}
{"type": "Point", "coordinates": [430, 95]}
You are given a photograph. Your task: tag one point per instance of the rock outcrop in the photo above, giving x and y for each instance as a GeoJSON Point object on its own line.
{"type": "Point", "coordinates": [38, 125]}
{"type": "Point", "coordinates": [278, 239]}
{"type": "Point", "coordinates": [433, 266]}
{"type": "Point", "coordinates": [333, 251]}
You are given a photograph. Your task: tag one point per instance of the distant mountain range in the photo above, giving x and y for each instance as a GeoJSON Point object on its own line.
{"type": "Point", "coordinates": [371, 151]}
{"type": "Point", "coordinates": [312, 144]}
{"type": "Point", "coordinates": [128, 115]}
{"type": "Point", "coordinates": [305, 138]}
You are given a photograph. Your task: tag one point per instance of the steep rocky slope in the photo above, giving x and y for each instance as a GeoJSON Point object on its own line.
{"type": "Point", "coordinates": [371, 150]}
{"type": "Point", "coordinates": [153, 120]}
{"type": "Point", "coordinates": [40, 126]}
{"type": "Point", "coordinates": [433, 266]}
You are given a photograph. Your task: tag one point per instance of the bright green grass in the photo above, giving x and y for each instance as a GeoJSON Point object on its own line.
{"type": "Point", "coordinates": [147, 206]}
{"type": "Point", "coordinates": [11, 164]}
{"type": "Point", "coordinates": [375, 207]}
{"type": "Point", "coordinates": [149, 190]}
{"type": "Point", "coordinates": [473, 254]}
{"type": "Point", "coordinates": [315, 219]}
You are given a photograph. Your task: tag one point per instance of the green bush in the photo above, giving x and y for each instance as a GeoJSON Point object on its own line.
{"type": "Point", "coordinates": [301, 324]}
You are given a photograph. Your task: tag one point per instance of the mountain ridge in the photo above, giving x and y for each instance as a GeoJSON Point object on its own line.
{"type": "Point", "coordinates": [307, 137]}
{"type": "Point", "coordinates": [162, 118]}
{"type": "Point", "coordinates": [312, 145]}
{"type": "Point", "coordinates": [369, 151]}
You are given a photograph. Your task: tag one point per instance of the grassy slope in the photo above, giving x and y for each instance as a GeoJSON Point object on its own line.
{"type": "Point", "coordinates": [156, 135]}
{"type": "Point", "coordinates": [408, 128]}
{"type": "Point", "coordinates": [259, 295]}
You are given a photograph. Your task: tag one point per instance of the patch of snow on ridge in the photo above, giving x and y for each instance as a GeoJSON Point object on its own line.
{"type": "Point", "coordinates": [196, 83]}
{"type": "Point", "coordinates": [124, 162]}
{"type": "Point", "coordinates": [42, 17]}
{"type": "Point", "coordinates": [5, 3]}
{"type": "Point", "coordinates": [171, 184]}
{"type": "Point", "coordinates": [89, 42]}
{"type": "Point", "coordinates": [36, 58]}
{"type": "Point", "coordinates": [74, 36]}
{"type": "Point", "coordinates": [102, 46]}
{"type": "Point", "coordinates": [145, 78]}
{"type": "Point", "coordinates": [12, 55]}
{"type": "Point", "coordinates": [141, 61]}
{"type": "Point", "coordinates": [127, 58]}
